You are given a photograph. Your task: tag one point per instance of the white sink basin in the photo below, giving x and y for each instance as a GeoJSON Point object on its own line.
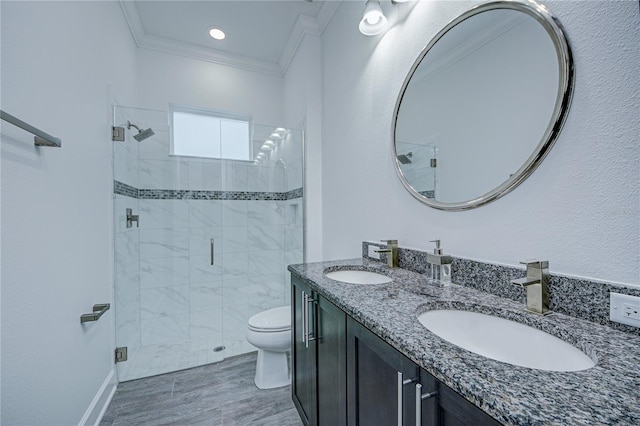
{"type": "Point", "coordinates": [353, 276]}
{"type": "Point", "coordinates": [505, 340]}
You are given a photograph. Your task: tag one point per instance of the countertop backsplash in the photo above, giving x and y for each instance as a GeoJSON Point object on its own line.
{"type": "Point", "coordinates": [576, 297]}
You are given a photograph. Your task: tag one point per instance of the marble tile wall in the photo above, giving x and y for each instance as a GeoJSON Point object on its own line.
{"type": "Point", "coordinates": [172, 306]}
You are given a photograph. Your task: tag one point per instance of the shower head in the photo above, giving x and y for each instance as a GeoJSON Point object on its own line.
{"type": "Point", "coordinates": [142, 133]}
{"type": "Point", "coordinates": [405, 158]}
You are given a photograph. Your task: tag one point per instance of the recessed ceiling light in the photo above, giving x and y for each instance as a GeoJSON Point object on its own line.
{"type": "Point", "coordinates": [217, 33]}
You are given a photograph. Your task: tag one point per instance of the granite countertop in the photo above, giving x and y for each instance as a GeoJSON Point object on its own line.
{"type": "Point", "coordinates": [608, 393]}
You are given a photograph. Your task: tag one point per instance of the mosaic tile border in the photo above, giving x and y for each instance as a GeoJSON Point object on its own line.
{"type": "Point", "coordinates": [124, 189]}
{"type": "Point", "coordinates": [576, 297]}
{"type": "Point", "coordinates": [181, 194]}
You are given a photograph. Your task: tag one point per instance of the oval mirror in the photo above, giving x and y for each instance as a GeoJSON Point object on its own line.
{"type": "Point", "coordinates": [482, 105]}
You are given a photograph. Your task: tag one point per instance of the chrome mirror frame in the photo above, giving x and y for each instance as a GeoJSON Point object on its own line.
{"type": "Point", "coordinates": [563, 101]}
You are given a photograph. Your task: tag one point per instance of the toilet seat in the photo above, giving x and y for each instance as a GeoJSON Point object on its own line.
{"type": "Point", "coordinates": [272, 320]}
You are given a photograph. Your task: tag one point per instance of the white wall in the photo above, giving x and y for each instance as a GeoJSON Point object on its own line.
{"type": "Point", "coordinates": [579, 209]}
{"type": "Point", "coordinates": [303, 108]}
{"type": "Point", "coordinates": [165, 78]}
{"type": "Point", "coordinates": [58, 61]}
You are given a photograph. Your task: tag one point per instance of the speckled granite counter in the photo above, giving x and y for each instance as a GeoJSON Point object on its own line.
{"type": "Point", "coordinates": [606, 394]}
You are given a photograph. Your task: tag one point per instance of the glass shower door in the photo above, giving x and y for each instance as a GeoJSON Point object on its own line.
{"type": "Point", "coordinates": [210, 247]}
{"type": "Point", "coordinates": [168, 271]}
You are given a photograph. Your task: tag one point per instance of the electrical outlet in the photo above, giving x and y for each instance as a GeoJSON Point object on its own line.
{"type": "Point", "coordinates": [625, 309]}
{"type": "Point", "coordinates": [631, 312]}
{"type": "Point", "coordinates": [372, 252]}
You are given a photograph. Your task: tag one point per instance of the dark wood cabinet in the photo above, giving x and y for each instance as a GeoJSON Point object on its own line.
{"type": "Point", "coordinates": [318, 358]}
{"type": "Point", "coordinates": [303, 356]}
{"type": "Point", "coordinates": [380, 380]}
{"type": "Point", "coordinates": [342, 373]}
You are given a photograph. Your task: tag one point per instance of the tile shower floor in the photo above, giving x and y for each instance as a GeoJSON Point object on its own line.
{"type": "Point", "coordinates": [214, 394]}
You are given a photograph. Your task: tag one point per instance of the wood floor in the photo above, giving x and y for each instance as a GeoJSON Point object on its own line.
{"type": "Point", "coordinates": [215, 394]}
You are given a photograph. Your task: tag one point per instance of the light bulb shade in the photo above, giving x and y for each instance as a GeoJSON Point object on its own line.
{"type": "Point", "coordinates": [373, 20]}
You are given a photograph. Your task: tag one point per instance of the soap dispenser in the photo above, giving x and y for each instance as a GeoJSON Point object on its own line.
{"type": "Point", "coordinates": [439, 264]}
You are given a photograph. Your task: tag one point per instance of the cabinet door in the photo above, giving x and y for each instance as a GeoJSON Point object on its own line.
{"type": "Point", "coordinates": [457, 411]}
{"type": "Point", "coordinates": [303, 355]}
{"type": "Point", "coordinates": [448, 408]}
{"type": "Point", "coordinates": [331, 343]}
{"type": "Point", "coordinates": [380, 381]}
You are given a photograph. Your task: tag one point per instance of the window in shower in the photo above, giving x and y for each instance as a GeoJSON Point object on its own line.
{"type": "Point", "coordinates": [200, 132]}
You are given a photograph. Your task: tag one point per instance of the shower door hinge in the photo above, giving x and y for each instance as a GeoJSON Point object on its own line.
{"type": "Point", "coordinates": [121, 354]}
{"type": "Point", "coordinates": [433, 162]}
{"type": "Point", "coordinates": [117, 134]}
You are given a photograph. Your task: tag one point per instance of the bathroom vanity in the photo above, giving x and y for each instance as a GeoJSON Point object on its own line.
{"type": "Point", "coordinates": [360, 356]}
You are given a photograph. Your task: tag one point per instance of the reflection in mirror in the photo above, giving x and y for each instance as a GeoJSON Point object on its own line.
{"type": "Point", "coordinates": [483, 106]}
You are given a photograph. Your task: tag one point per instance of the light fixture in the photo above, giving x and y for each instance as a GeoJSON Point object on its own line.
{"type": "Point", "coordinates": [266, 147]}
{"type": "Point", "coordinates": [373, 20]}
{"type": "Point", "coordinates": [275, 135]}
{"type": "Point", "coordinates": [270, 143]}
{"type": "Point", "coordinates": [217, 33]}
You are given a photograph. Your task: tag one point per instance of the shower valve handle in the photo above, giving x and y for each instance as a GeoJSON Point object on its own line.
{"type": "Point", "coordinates": [132, 218]}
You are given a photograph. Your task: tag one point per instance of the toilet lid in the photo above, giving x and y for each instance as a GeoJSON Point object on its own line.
{"type": "Point", "coordinates": [276, 319]}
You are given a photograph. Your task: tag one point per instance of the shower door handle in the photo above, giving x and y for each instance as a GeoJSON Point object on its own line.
{"type": "Point", "coordinates": [212, 246]}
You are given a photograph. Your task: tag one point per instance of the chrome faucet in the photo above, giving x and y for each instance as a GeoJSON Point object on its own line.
{"type": "Point", "coordinates": [440, 264]}
{"type": "Point", "coordinates": [537, 284]}
{"type": "Point", "coordinates": [392, 252]}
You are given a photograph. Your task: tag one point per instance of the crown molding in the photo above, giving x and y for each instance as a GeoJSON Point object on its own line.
{"type": "Point", "coordinates": [304, 25]}
{"type": "Point", "coordinates": [133, 20]}
{"type": "Point", "coordinates": [307, 25]}
{"type": "Point", "coordinates": [160, 44]}
{"type": "Point", "coordinates": [188, 50]}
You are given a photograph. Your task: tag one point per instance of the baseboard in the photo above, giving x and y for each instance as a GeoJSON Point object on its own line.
{"type": "Point", "coordinates": [101, 401]}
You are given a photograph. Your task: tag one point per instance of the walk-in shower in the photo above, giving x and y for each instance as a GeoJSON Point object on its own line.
{"type": "Point", "coordinates": [209, 248]}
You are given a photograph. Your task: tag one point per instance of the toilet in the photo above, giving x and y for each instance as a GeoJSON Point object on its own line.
{"type": "Point", "coordinates": [270, 332]}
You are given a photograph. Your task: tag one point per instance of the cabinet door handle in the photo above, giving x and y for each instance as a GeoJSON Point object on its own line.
{"type": "Point", "coordinates": [401, 383]}
{"type": "Point", "coordinates": [304, 319]}
{"type": "Point", "coordinates": [311, 336]}
{"type": "Point", "coordinates": [419, 398]}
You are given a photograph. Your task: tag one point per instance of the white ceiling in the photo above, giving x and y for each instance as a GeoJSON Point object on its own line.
{"type": "Point", "coordinates": [261, 35]}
